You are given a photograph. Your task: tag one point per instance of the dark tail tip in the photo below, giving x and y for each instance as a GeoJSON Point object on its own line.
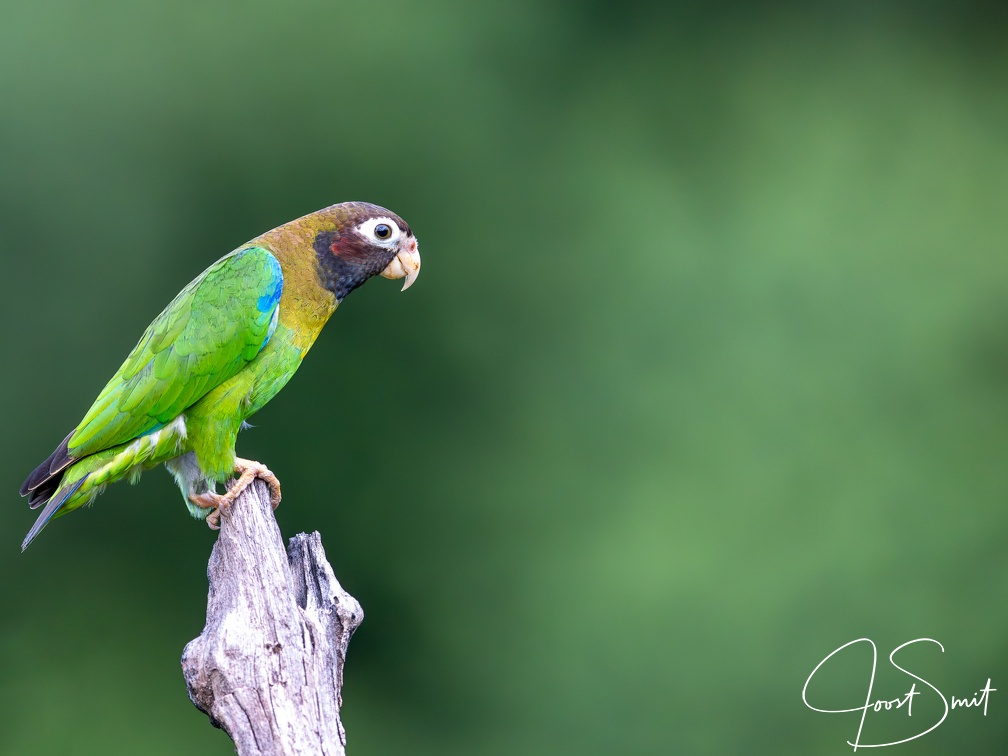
{"type": "Point", "coordinates": [55, 463]}
{"type": "Point", "coordinates": [51, 508]}
{"type": "Point", "coordinates": [39, 496]}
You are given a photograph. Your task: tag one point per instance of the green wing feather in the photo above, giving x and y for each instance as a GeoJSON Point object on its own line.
{"type": "Point", "coordinates": [211, 330]}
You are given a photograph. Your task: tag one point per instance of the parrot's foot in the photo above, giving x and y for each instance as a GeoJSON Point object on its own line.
{"type": "Point", "coordinates": [247, 472]}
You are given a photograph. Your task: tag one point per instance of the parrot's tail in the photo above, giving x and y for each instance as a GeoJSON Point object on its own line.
{"type": "Point", "coordinates": [45, 480]}
{"type": "Point", "coordinates": [51, 508]}
{"type": "Point", "coordinates": [64, 483]}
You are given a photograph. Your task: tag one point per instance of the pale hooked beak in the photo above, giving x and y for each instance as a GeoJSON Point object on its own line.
{"type": "Point", "coordinates": [406, 264]}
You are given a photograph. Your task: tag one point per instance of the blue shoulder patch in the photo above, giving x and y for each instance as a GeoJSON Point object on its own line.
{"type": "Point", "coordinates": [271, 296]}
{"type": "Point", "coordinates": [270, 300]}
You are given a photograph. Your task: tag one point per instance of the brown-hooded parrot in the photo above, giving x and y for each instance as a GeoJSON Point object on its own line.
{"type": "Point", "coordinates": [217, 353]}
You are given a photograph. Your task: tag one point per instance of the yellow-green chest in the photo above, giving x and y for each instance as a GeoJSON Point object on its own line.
{"type": "Point", "coordinates": [305, 305]}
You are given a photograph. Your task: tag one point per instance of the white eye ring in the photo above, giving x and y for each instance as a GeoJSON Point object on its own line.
{"type": "Point", "coordinates": [370, 229]}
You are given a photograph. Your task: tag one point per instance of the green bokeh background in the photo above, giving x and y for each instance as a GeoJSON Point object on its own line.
{"type": "Point", "coordinates": [706, 373]}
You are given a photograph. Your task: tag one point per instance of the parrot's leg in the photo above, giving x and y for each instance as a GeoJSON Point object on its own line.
{"type": "Point", "coordinates": [248, 471]}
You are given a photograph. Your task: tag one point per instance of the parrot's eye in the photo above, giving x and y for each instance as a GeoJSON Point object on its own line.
{"type": "Point", "coordinates": [383, 231]}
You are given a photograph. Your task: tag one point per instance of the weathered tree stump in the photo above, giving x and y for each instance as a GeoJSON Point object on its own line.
{"type": "Point", "coordinates": [268, 666]}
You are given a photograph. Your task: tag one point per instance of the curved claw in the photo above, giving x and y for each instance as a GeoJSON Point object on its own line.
{"type": "Point", "coordinates": [214, 501]}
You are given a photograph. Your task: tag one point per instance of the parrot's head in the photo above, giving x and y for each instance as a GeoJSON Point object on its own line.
{"type": "Point", "coordinates": [361, 240]}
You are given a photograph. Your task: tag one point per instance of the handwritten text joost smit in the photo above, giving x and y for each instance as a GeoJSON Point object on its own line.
{"type": "Point", "coordinates": [901, 704]}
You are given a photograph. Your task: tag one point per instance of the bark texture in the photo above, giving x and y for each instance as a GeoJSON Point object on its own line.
{"type": "Point", "coordinates": [268, 666]}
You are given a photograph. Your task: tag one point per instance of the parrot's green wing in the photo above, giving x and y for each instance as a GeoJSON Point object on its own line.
{"type": "Point", "coordinates": [210, 331]}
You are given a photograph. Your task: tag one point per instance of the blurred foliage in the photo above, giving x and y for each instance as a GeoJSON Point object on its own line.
{"type": "Point", "coordinates": [706, 373]}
